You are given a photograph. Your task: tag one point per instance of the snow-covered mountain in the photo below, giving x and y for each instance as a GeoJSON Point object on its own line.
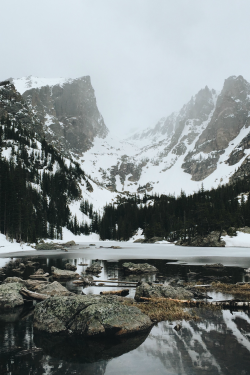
{"type": "Point", "coordinates": [207, 141]}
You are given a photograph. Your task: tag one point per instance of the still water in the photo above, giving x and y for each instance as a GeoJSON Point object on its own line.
{"type": "Point", "coordinates": [218, 343]}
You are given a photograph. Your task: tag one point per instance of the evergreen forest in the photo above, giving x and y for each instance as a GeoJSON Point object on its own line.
{"type": "Point", "coordinates": [183, 217]}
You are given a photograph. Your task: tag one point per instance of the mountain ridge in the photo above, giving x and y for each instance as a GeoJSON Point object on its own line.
{"type": "Point", "coordinates": [205, 142]}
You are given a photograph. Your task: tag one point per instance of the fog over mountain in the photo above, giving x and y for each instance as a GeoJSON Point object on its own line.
{"type": "Point", "coordinates": [145, 58]}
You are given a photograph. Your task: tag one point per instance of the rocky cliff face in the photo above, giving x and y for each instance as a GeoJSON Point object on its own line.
{"type": "Point", "coordinates": [207, 141]}
{"type": "Point", "coordinates": [67, 110]}
{"type": "Point", "coordinates": [229, 117]}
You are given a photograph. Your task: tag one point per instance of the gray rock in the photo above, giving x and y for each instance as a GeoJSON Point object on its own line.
{"type": "Point", "coordinates": [10, 296]}
{"type": "Point", "coordinates": [46, 246]}
{"type": "Point", "coordinates": [130, 267]}
{"type": "Point", "coordinates": [94, 268]}
{"type": "Point", "coordinates": [63, 274]}
{"type": "Point", "coordinates": [89, 316]}
{"type": "Point", "coordinates": [53, 289]}
{"type": "Point", "coordinates": [211, 240]}
{"type": "Point", "coordinates": [70, 267]}
{"type": "Point", "coordinates": [69, 244]}
{"type": "Point", "coordinates": [157, 291]}
{"type": "Point", "coordinates": [14, 280]}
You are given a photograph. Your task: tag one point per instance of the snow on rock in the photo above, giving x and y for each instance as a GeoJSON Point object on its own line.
{"type": "Point", "coordinates": [25, 83]}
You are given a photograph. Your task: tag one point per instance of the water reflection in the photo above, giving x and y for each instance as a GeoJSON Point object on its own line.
{"type": "Point", "coordinates": [219, 343]}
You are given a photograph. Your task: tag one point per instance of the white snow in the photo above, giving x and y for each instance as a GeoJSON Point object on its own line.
{"type": "Point", "coordinates": [10, 247]}
{"type": "Point", "coordinates": [69, 236]}
{"type": "Point", "coordinates": [26, 83]}
{"type": "Point", "coordinates": [241, 240]}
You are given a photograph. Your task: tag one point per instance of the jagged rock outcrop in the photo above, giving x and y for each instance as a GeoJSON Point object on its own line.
{"type": "Point", "coordinates": [229, 117]}
{"type": "Point", "coordinates": [89, 316]}
{"type": "Point", "coordinates": [68, 113]}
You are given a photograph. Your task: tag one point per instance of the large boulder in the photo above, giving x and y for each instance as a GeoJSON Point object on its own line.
{"type": "Point", "coordinates": [10, 296]}
{"type": "Point", "coordinates": [63, 274]}
{"type": "Point", "coordinates": [89, 316]}
{"type": "Point", "coordinates": [166, 291]}
{"type": "Point", "coordinates": [95, 268]}
{"type": "Point", "coordinates": [130, 267]}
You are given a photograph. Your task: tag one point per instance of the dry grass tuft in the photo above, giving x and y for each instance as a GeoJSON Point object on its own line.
{"type": "Point", "coordinates": [160, 310]}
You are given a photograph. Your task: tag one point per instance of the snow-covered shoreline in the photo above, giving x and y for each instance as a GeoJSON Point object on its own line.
{"type": "Point", "coordinates": [8, 247]}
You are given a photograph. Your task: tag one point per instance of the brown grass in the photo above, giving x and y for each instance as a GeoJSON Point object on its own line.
{"type": "Point", "coordinates": [160, 310]}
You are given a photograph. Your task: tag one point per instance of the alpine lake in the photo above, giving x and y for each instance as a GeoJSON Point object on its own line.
{"type": "Point", "coordinates": [217, 343]}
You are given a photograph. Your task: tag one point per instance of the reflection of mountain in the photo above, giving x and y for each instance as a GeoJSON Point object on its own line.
{"type": "Point", "coordinates": [217, 344]}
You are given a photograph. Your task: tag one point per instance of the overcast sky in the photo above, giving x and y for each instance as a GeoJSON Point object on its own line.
{"type": "Point", "coordinates": [146, 58]}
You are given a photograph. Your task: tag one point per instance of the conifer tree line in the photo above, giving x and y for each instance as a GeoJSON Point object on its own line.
{"type": "Point", "coordinates": [182, 217]}
{"type": "Point", "coordinates": [36, 187]}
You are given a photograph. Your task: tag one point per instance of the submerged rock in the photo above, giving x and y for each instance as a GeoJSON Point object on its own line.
{"type": "Point", "coordinates": [89, 316]}
{"type": "Point", "coordinates": [130, 267]}
{"type": "Point", "coordinates": [165, 291]}
{"type": "Point", "coordinates": [63, 274]}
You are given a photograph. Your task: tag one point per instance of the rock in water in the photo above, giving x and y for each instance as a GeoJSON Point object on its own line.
{"type": "Point", "coordinates": [53, 289]}
{"type": "Point", "coordinates": [94, 268]}
{"type": "Point", "coordinates": [10, 296]}
{"type": "Point", "coordinates": [138, 268]}
{"type": "Point", "coordinates": [70, 267]}
{"type": "Point", "coordinates": [165, 291]}
{"type": "Point", "coordinates": [63, 274]}
{"type": "Point", "coordinates": [89, 316]}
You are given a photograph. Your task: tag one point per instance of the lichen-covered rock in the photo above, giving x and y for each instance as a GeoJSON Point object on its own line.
{"type": "Point", "coordinates": [130, 267]}
{"type": "Point", "coordinates": [46, 246]}
{"type": "Point", "coordinates": [63, 274]}
{"type": "Point", "coordinates": [165, 291]}
{"type": "Point", "coordinates": [94, 268]}
{"type": "Point", "coordinates": [89, 316]}
{"type": "Point", "coordinates": [53, 289]}
{"type": "Point", "coordinates": [14, 280]}
{"type": "Point", "coordinates": [10, 296]}
{"type": "Point", "coordinates": [70, 267]}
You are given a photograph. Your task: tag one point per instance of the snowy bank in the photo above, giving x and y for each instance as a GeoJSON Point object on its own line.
{"type": "Point", "coordinates": [69, 236]}
{"type": "Point", "coordinates": [10, 247]}
{"type": "Point", "coordinates": [241, 240]}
